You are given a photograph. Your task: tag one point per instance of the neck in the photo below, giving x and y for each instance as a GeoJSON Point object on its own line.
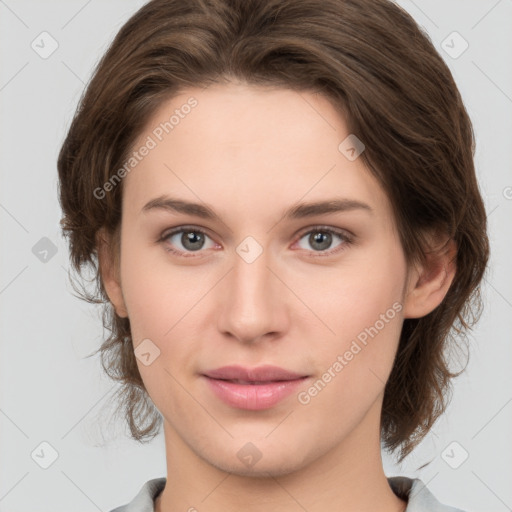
{"type": "Point", "coordinates": [348, 478]}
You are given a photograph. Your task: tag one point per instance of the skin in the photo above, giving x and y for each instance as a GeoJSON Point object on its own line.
{"type": "Point", "coordinates": [250, 153]}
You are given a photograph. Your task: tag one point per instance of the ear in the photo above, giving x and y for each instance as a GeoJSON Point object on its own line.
{"type": "Point", "coordinates": [108, 261]}
{"type": "Point", "coordinates": [429, 283]}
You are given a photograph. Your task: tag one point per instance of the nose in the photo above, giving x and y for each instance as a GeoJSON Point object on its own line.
{"type": "Point", "coordinates": [253, 301]}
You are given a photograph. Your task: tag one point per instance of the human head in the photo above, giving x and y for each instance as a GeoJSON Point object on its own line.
{"type": "Point", "coordinates": [396, 94]}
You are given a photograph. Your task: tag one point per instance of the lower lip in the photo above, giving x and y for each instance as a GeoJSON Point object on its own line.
{"type": "Point", "coordinates": [253, 397]}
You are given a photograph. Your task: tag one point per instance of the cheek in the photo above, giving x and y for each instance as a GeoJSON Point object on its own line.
{"type": "Point", "coordinates": [354, 296]}
{"type": "Point", "coordinates": [352, 371]}
{"type": "Point", "coordinates": [361, 303]}
{"type": "Point", "coordinates": [163, 303]}
{"type": "Point", "coordinates": [157, 293]}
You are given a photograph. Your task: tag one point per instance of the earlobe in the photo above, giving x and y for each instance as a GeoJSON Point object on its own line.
{"type": "Point", "coordinates": [429, 283]}
{"type": "Point", "coordinates": [108, 263]}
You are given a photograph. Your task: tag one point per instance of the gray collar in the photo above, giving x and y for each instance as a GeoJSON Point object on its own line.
{"type": "Point", "coordinates": [412, 490]}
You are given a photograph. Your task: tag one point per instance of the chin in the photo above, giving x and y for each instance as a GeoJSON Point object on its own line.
{"type": "Point", "coordinates": [249, 461]}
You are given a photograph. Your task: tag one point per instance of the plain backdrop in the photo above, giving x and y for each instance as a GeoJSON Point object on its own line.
{"type": "Point", "coordinates": [54, 409]}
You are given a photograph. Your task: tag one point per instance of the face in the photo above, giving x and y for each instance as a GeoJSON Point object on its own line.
{"type": "Point", "coordinates": [318, 293]}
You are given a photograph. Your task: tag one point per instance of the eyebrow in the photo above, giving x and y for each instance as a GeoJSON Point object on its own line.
{"type": "Point", "coordinates": [298, 211]}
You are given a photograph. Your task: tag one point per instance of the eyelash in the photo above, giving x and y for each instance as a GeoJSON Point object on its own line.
{"type": "Point", "coordinates": [345, 238]}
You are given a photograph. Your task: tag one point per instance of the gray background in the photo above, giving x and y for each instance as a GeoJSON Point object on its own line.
{"type": "Point", "coordinates": [50, 392]}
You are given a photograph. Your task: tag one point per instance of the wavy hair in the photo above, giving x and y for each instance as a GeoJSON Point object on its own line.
{"type": "Point", "coordinates": [380, 69]}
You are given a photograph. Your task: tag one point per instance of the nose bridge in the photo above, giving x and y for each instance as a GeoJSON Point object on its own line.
{"type": "Point", "coordinates": [251, 306]}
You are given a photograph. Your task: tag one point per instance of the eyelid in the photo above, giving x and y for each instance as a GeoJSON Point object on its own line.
{"type": "Point", "coordinates": [185, 227]}
{"type": "Point", "coordinates": [321, 227]}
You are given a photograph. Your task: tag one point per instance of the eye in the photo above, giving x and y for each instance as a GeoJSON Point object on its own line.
{"type": "Point", "coordinates": [321, 239]}
{"type": "Point", "coordinates": [190, 239]}
{"type": "Point", "coordinates": [187, 239]}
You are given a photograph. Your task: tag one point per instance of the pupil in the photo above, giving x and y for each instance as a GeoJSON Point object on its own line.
{"type": "Point", "coordinates": [191, 238]}
{"type": "Point", "coordinates": [318, 237]}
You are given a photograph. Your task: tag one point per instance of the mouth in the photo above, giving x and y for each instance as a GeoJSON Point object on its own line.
{"type": "Point", "coordinates": [255, 382]}
{"type": "Point", "coordinates": [252, 389]}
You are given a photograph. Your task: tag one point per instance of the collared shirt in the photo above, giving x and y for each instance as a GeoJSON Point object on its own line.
{"type": "Point", "coordinates": [412, 490]}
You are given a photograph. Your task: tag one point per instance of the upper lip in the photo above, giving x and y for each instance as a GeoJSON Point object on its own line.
{"type": "Point", "coordinates": [259, 374]}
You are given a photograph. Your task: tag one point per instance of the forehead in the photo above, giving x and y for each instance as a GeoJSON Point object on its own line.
{"type": "Point", "coordinates": [248, 148]}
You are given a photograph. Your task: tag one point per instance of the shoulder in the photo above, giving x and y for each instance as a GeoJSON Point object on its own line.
{"type": "Point", "coordinates": [144, 501]}
{"type": "Point", "coordinates": [417, 495]}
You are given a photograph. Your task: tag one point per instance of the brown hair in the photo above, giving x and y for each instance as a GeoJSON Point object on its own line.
{"type": "Point", "coordinates": [377, 66]}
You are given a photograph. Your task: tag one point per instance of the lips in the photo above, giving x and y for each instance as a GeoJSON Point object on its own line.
{"type": "Point", "coordinates": [252, 388]}
{"type": "Point", "coordinates": [260, 374]}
